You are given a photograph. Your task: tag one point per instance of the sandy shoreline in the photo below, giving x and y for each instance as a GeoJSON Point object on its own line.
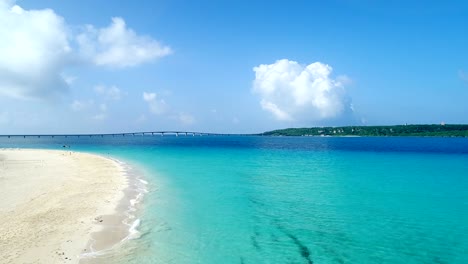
{"type": "Point", "coordinates": [57, 205]}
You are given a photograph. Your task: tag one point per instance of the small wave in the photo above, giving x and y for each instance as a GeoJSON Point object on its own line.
{"type": "Point", "coordinates": [142, 190]}
{"type": "Point", "coordinates": [143, 181]}
{"type": "Point", "coordinates": [131, 221]}
{"type": "Point", "coordinates": [133, 232]}
{"type": "Point", "coordinates": [137, 199]}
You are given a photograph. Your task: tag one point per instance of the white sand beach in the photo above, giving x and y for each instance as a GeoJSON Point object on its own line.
{"type": "Point", "coordinates": [51, 201]}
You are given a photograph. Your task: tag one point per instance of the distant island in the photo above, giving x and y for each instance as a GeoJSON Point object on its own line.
{"type": "Point", "coordinates": [441, 130]}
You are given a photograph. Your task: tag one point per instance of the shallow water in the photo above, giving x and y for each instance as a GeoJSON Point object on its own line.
{"type": "Point", "coordinates": [292, 200]}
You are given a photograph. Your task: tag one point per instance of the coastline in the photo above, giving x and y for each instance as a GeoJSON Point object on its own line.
{"type": "Point", "coordinates": [120, 226]}
{"type": "Point", "coordinates": [64, 206]}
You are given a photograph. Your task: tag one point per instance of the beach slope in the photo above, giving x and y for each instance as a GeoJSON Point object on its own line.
{"type": "Point", "coordinates": [51, 202]}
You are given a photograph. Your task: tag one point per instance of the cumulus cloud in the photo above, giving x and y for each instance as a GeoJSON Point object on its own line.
{"type": "Point", "coordinates": [291, 91]}
{"type": "Point", "coordinates": [275, 110]}
{"type": "Point", "coordinates": [119, 46]}
{"type": "Point", "coordinates": [37, 46]}
{"type": "Point", "coordinates": [156, 106]}
{"type": "Point", "coordinates": [34, 49]}
{"type": "Point", "coordinates": [110, 92]}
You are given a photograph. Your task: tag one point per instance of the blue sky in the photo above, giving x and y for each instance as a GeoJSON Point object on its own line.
{"type": "Point", "coordinates": [230, 66]}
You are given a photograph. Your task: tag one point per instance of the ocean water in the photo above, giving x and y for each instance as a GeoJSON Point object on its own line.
{"type": "Point", "coordinates": [292, 200]}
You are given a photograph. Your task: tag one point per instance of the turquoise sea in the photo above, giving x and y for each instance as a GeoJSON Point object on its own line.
{"type": "Point", "coordinates": [243, 200]}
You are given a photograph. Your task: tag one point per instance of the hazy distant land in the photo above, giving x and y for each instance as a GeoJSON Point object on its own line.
{"type": "Point", "coordinates": [399, 130]}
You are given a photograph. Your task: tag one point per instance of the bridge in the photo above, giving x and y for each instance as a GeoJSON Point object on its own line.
{"type": "Point", "coordinates": [150, 133]}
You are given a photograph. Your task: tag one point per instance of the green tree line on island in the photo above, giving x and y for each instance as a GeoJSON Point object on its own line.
{"type": "Point", "coordinates": [398, 130]}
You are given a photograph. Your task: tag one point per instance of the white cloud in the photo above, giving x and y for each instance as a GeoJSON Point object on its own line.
{"type": "Point", "coordinates": [291, 91]}
{"type": "Point", "coordinates": [111, 92]}
{"type": "Point", "coordinates": [149, 96]}
{"type": "Point", "coordinates": [274, 109]}
{"type": "Point", "coordinates": [156, 106]}
{"type": "Point", "coordinates": [34, 49]}
{"type": "Point", "coordinates": [81, 105]}
{"type": "Point", "coordinates": [119, 46]}
{"type": "Point", "coordinates": [186, 119]}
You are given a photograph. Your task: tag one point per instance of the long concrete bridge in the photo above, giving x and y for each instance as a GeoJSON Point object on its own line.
{"type": "Point", "coordinates": [150, 133]}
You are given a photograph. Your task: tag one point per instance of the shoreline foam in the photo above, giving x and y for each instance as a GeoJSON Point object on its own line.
{"type": "Point", "coordinates": [120, 226]}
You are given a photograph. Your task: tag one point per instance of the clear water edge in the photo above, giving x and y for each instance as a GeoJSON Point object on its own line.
{"type": "Point", "coordinates": [127, 212]}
